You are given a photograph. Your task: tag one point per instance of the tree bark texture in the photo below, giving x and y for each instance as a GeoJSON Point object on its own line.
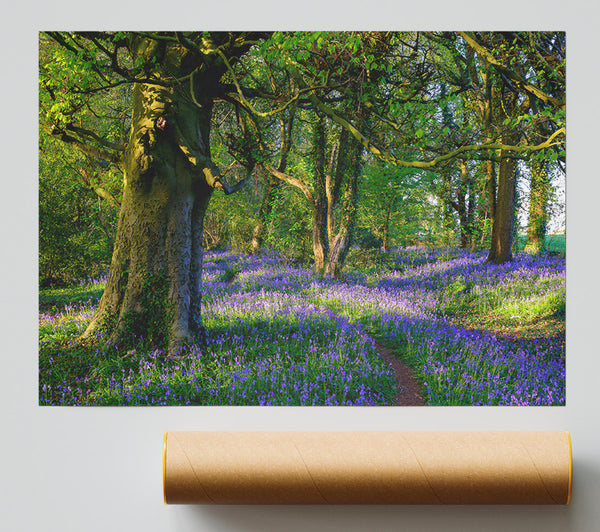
{"type": "Point", "coordinates": [347, 174]}
{"type": "Point", "coordinates": [154, 285]}
{"type": "Point", "coordinates": [502, 230]}
{"type": "Point", "coordinates": [504, 204]}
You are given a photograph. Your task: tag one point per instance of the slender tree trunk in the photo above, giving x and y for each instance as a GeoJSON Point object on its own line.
{"type": "Point", "coordinates": [504, 207]}
{"type": "Point", "coordinates": [330, 253]}
{"type": "Point", "coordinates": [266, 208]}
{"type": "Point", "coordinates": [483, 219]}
{"type": "Point", "coordinates": [491, 190]}
{"type": "Point", "coordinates": [471, 212]}
{"type": "Point", "coordinates": [487, 184]}
{"type": "Point", "coordinates": [385, 240]}
{"type": "Point", "coordinates": [463, 214]}
{"type": "Point", "coordinates": [502, 230]}
{"type": "Point", "coordinates": [538, 203]}
{"type": "Point", "coordinates": [272, 185]}
{"type": "Point", "coordinates": [347, 173]}
{"type": "Point", "coordinates": [320, 240]}
{"type": "Point", "coordinates": [467, 221]}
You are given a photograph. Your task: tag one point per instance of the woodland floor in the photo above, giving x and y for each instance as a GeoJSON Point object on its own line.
{"type": "Point", "coordinates": [409, 393]}
{"type": "Point", "coordinates": [427, 327]}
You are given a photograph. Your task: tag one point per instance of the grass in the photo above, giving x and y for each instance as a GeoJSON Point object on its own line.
{"type": "Point", "coordinates": [54, 299]}
{"type": "Point", "coordinates": [552, 243]}
{"type": "Point", "coordinates": [474, 333]}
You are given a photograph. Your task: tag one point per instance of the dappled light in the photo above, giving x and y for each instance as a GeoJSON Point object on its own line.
{"type": "Point", "coordinates": [282, 335]}
{"type": "Point", "coordinates": [302, 218]}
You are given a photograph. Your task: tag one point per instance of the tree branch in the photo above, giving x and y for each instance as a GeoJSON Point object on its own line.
{"type": "Point", "coordinates": [213, 178]}
{"type": "Point", "coordinates": [289, 179]}
{"type": "Point", "coordinates": [245, 102]}
{"type": "Point", "coordinates": [81, 132]}
{"type": "Point", "coordinates": [87, 149]}
{"type": "Point", "coordinates": [197, 158]}
{"type": "Point", "coordinates": [87, 180]}
{"type": "Point", "coordinates": [514, 77]}
{"type": "Point", "coordinates": [386, 156]}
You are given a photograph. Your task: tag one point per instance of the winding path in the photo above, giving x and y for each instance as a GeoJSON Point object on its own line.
{"type": "Point", "coordinates": [409, 390]}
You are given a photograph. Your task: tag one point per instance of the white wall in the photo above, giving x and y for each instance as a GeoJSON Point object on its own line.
{"type": "Point", "coordinates": [86, 469]}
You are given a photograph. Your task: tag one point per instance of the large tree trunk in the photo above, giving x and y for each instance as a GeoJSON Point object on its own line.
{"type": "Point", "coordinates": [154, 283]}
{"type": "Point", "coordinates": [320, 242]}
{"type": "Point", "coordinates": [344, 237]}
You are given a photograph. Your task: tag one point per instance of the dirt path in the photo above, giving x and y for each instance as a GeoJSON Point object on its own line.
{"type": "Point", "coordinates": [409, 390]}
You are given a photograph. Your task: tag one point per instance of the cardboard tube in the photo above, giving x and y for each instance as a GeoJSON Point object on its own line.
{"type": "Point", "coordinates": [367, 467]}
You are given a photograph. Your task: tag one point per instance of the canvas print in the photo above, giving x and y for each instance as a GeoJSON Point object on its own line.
{"type": "Point", "coordinates": [302, 218]}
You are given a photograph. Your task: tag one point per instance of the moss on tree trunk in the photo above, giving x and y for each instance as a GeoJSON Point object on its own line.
{"type": "Point", "coordinates": [538, 201]}
{"type": "Point", "coordinates": [154, 283]}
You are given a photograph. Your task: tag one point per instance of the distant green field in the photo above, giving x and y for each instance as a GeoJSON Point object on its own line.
{"type": "Point", "coordinates": [555, 243]}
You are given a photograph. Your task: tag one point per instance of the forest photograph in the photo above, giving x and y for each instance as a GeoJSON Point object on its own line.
{"type": "Point", "coordinates": [359, 218]}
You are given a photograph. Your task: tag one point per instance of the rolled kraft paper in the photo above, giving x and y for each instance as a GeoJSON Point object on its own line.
{"type": "Point", "coordinates": [367, 467]}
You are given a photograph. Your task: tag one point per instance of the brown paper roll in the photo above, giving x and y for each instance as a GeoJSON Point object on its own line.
{"type": "Point", "coordinates": [367, 467]}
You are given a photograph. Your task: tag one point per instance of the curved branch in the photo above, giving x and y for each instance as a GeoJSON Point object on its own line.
{"type": "Point", "coordinates": [514, 77]}
{"type": "Point", "coordinates": [388, 157]}
{"type": "Point", "coordinates": [87, 149]}
{"type": "Point", "coordinates": [213, 179]}
{"type": "Point", "coordinates": [88, 181]}
{"type": "Point", "coordinates": [203, 164]}
{"type": "Point", "coordinates": [81, 132]}
{"type": "Point", "coordinates": [291, 180]}
{"type": "Point", "coordinates": [245, 102]}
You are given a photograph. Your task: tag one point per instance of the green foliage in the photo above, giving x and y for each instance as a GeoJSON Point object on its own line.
{"type": "Point", "coordinates": [229, 273]}
{"type": "Point", "coordinates": [76, 227]}
{"type": "Point", "coordinates": [552, 243]}
{"type": "Point", "coordinates": [534, 308]}
{"type": "Point", "coordinates": [290, 226]}
{"type": "Point", "coordinates": [229, 220]}
{"type": "Point", "coordinates": [417, 95]}
{"type": "Point", "coordinates": [395, 204]}
{"type": "Point", "coordinates": [55, 299]}
{"type": "Point", "coordinates": [366, 240]}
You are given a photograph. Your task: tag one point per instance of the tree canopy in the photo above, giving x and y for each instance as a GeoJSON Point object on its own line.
{"type": "Point", "coordinates": [369, 129]}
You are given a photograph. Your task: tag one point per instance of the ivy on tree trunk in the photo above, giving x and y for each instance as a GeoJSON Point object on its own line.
{"type": "Point", "coordinates": [156, 268]}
